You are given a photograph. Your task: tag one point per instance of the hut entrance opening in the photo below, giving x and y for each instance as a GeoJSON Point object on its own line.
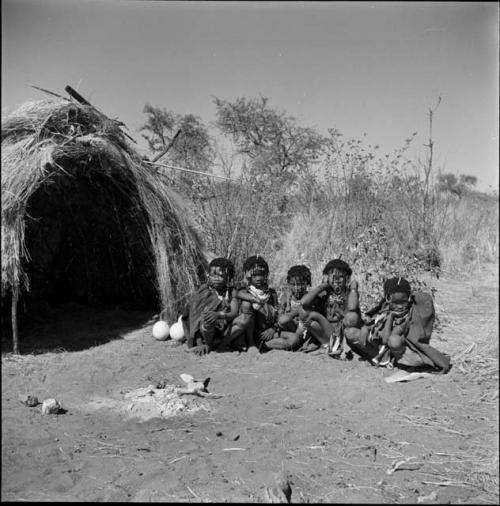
{"type": "Point", "coordinates": [87, 242]}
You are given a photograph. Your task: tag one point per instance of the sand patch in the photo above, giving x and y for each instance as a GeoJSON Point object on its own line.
{"type": "Point", "coordinates": [148, 402]}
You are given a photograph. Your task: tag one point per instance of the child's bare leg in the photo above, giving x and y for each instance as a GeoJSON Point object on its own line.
{"type": "Point", "coordinates": [352, 316]}
{"type": "Point", "coordinates": [249, 335]}
{"type": "Point", "coordinates": [317, 325]}
{"type": "Point", "coordinates": [355, 332]}
{"type": "Point", "coordinates": [237, 331]}
{"type": "Point", "coordinates": [287, 322]}
{"type": "Point", "coordinates": [396, 343]}
{"type": "Point", "coordinates": [285, 341]}
{"type": "Point", "coordinates": [352, 299]}
{"type": "Point", "coordinates": [244, 340]}
{"type": "Point", "coordinates": [308, 336]}
{"type": "Point", "coordinates": [357, 339]}
{"type": "Point", "coordinates": [199, 346]}
{"type": "Point", "coordinates": [320, 327]}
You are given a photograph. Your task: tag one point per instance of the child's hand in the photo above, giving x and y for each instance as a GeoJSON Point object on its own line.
{"type": "Point", "coordinates": [397, 330]}
{"type": "Point", "coordinates": [267, 335]}
{"type": "Point", "coordinates": [302, 313]}
{"type": "Point", "coordinates": [199, 350]}
{"type": "Point", "coordinates": [306, 323]}
{"type": "Point", "coordinates": [368, 320]}
{"type": "Point", "coordinates": [209, 317]}
{"type": "Point", "coordinates": [325, 285]}
{"type": "Point", "coordinates": [257, 305]}
{"type": "Point", "coordinates": [339, 312]}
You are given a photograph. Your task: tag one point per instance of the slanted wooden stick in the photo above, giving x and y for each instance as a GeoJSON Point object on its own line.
{"type": "Point", "coordinates": [189, 170]}
{"type": "Point", "coordinates": [48, 92]}
{"type": "Point", "coordinates": [75, 95]}
{"type": "Point", "coordinates": [165, 151]}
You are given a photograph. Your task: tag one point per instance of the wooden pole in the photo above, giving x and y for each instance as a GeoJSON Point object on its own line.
{"type": "Point", "coordinates": [48, 92]}
{"type": "Point", "coordinates": [191, 171]}
{"type": "Point", "coordinates": [74, 94]}
{"type": "Point", "coordinates": [15, 336]}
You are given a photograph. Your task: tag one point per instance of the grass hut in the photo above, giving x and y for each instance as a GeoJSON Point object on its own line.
{"type": "Point", "coordinates": [84, 219]}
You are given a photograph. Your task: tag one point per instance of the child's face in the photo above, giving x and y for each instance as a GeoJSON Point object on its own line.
{"type": "Point", "coordinates": [399, 303]}
{"type": "Point", "coordinates": [218, 277]}
{"type": "Point", "coordinates": [258, 277]}
{"type": "Point", "coordinates": [337, 280]}
{"type": "Point", "coordinates": [297, 286]}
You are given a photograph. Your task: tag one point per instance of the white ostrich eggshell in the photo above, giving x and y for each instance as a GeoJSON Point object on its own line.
{"type": "Point", "coordinates": [161, 330]}
{"type": "Point", "coordinates": [176, 331]}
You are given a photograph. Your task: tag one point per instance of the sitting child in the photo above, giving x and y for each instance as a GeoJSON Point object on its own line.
{"type": "Point", "coordinates": [399, 330]}
{"type": "Point", "coordinates": [211, 309]}
{"type": "Point", "coordinates": [257, 310]}
{"type": "Point", "coordinates": [325, 307]}
{"type": "Point", "coordinates": [290, 329]}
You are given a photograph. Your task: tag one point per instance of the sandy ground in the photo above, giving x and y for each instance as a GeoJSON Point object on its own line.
{"type": "Point", "coordinates": [335, 429]}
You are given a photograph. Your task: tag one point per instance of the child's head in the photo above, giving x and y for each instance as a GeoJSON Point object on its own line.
{"type": "Point", "coordinates": [298, 279]}
{"type": "Point", "coordinates": [256, 271]}
{"type": "Point", "coordinates": [220, 271]}
{"type": "Point", "coordinates": [397, 293]}
{"type": "Point", "coordinates": [338, 274]}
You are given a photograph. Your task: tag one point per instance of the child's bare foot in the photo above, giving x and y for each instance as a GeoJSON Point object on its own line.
{"type": "Point", "coordinates": [253, 350]}
{"type": "Point", "coordinates": [335, 347]}
{"type": "Point", "coordinates": [199, 350]}
{"type": "Point", "coordinates": [308, 347]}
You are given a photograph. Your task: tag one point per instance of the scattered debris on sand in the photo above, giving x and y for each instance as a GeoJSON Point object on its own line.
{"type": "Point", "coordinates": [51, 407]}
{"type": "Point", "coordinates": [196, 387]}
{"type": "Point", "coordinates": [160, 400]}
{"type": "Point", "coordinates": [30, 400]}
{"type": "Point", "coordinates": [281, 492]}
{"type": "Point", "coordinates": [151, 402]}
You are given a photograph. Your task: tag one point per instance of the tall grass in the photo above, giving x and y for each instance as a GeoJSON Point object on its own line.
{"type": "Point", "coordinates": [374, 210]}
{"type": "Point", "coordinates": [468, 231]}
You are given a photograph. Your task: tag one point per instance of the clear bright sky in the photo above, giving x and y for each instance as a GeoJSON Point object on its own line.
{"type": "Point", "coordinates": [374, 67]}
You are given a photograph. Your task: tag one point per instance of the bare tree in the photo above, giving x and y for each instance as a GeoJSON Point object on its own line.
{"type": "Point", "coordinates": [427, 189]}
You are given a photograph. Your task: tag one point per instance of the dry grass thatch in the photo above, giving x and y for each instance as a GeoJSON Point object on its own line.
{"type": "Point", "coordinates": [82, 212]}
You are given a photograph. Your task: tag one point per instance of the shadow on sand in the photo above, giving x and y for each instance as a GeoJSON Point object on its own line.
{"type": "Point", "coordinates": [74, 327]}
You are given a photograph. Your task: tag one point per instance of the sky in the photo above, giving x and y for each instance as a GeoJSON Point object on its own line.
{"type": "Point", "coordinates": [359, 67]}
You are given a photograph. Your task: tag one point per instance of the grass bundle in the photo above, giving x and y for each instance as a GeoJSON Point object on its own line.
{"type": "Point", "coordinates": [84, 216]}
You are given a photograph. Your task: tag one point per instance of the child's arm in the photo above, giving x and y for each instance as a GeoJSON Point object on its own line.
{"type": "Point", "coordinates": [414, 327]}
{"type": "Point", "coordinates": [310, 296]}
{"type": "Point", "coordinates": [284, 302]}
{"type": "Point", "coordinates": [273, 298]}
{"type": "Point", "coordinates": [387, 330]}
{"type": "Point", "coordinates": [292, 313]}
{"type": "Point", "coordinates": [247, 297]}
{"type": "Point", "coordinates": [375, 309]}
{"type": "Point", "coordinates": [288, 299]}
{"type": "Point", "coordinates": [233, 308]}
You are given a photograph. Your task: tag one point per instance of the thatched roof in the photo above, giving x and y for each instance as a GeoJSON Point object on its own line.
{"type": "Point", "coordinates": [79, 205]}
